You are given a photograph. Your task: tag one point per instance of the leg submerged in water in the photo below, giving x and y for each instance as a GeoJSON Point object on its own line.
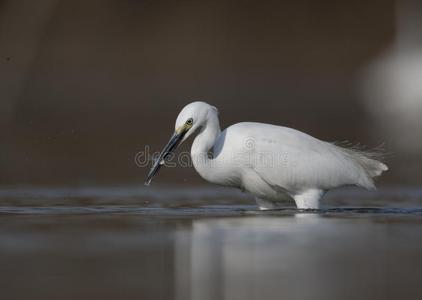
{"type": "Point", "coordinates": [309, 199]}
{"type": "Point", "coordinates": [264, 204]}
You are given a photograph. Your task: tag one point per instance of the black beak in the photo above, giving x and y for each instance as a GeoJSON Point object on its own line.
{"type": "Point", "coordinates": [164, 155]}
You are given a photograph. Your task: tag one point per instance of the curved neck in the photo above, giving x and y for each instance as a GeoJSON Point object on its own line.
{"type": "Point", "coordinates": [202, 145]}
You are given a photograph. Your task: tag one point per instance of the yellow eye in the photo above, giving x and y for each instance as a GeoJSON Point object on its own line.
{"type": "Point", "coordinates": [189, 121]}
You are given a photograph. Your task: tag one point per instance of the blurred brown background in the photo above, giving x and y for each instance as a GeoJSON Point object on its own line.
{"type": "Point", "coordinates": [85, 85]}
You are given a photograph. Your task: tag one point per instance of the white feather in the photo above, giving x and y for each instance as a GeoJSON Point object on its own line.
{"type": "Point", "coordinates": [274, 162]}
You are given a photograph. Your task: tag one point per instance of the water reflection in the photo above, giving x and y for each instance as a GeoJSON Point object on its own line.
{"type": "Point", "coordinates": [295, 257]}
{"type": "Point", "coordinates": [217, 254]}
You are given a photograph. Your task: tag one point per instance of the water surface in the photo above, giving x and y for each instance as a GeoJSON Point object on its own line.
{"type": "Point", "coordinates": [207, 243]}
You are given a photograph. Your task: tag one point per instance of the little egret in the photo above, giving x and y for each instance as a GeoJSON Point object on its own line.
{"type": "Point", "coordinates": [271, 162]}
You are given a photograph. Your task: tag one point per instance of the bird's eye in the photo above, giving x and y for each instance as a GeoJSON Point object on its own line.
{"type": "Point", "coordinates": [189, 121]}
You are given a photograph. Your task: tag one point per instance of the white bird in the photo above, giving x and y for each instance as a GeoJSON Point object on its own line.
{"type": "Point", "coordinates": [273, 163]}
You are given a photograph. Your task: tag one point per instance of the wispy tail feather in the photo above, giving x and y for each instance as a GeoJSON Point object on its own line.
{"type": "Point", "coordinates": [370, 161]}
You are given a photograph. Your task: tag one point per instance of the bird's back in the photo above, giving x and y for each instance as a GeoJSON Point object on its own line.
{"type": "Point", "coordinates": [293, 160]}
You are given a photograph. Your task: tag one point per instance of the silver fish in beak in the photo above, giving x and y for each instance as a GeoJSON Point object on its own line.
{"type": "Point", "coordinates": [165, 154]}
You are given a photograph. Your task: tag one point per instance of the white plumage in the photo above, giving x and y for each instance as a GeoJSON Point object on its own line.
{"type": "Point", "coordinates": [271, 162]}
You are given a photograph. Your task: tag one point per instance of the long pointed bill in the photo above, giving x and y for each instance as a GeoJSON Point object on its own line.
{"type": "Point", "coordinates": [165, 154]}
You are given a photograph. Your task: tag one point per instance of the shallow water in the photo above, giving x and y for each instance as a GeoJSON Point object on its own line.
{"type": "Point", "coordinates": [207, 243]}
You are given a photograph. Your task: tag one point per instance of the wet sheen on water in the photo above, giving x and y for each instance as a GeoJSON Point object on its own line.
{"type": "Point", "coordinates": [207, 243]}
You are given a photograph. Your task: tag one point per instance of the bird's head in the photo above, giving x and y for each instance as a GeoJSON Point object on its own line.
{"type": "Point", "coordinates": [193, 116]}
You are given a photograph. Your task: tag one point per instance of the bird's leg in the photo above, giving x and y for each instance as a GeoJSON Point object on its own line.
{"type": "Point", "coordinates": [308, 199]}
{"type": "Point", "coordinates": [264, 204]}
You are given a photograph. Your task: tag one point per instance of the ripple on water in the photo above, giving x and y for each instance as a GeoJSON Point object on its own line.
{"type": "Point", "coordinates": [195, 201]}
{"type": "Point", "coordinates": [220, 210]}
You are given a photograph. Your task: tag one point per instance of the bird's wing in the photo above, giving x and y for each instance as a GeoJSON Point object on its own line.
{"type": "Point", "coordinates": [290, 159]}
